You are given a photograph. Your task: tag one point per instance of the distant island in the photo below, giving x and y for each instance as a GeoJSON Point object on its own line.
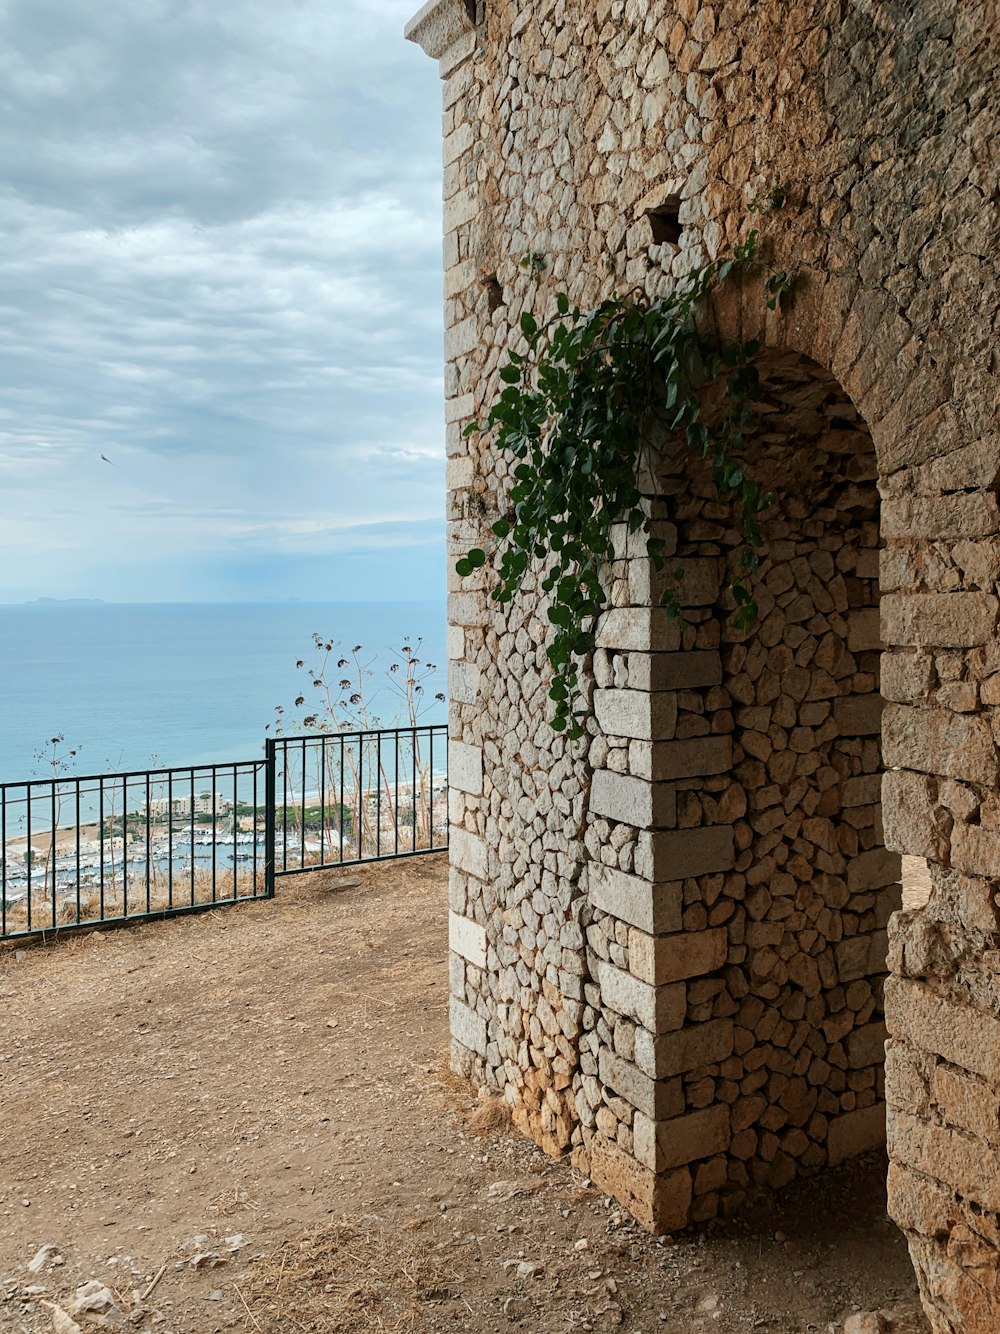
{"type": "Point", "coordinates": [65, 602]}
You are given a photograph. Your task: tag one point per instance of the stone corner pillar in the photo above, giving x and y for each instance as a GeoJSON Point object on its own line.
{"type": "Point", "coordinates": [445, 30]}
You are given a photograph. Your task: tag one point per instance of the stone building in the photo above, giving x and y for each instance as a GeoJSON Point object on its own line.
{"type": "Point", "coordinates": [676, 946]}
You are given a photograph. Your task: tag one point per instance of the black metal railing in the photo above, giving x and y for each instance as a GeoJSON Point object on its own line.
{"type": "Point", "coordinates": [359, 796]}
{"type": "Point", "coordinates": [115, 848]}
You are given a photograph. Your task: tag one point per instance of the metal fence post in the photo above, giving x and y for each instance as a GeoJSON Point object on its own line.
{"type": "Point", "coordinates": [270, 800]}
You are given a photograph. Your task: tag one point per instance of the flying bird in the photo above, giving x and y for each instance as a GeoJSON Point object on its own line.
{"type": "Point", "coordinates": [106, 459]}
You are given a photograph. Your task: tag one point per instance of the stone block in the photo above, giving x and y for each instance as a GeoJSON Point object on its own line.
{"type": "Point", "coordinates": [631, 546]}
{"type": "Point", "coordinates": [456, 976]}
{"type": "Point", "coordinates": [456, 642]}
{"type": "Point", "coordinates": [680, 854]}
{"type": "Point", "coordinates": [906, 1084]}
{"type": "Point", "coordinates": [975, 850]}
{"type": "Point", "coordinates": [967, 1102]}
{"type": "Point", "coordinates": [658, 1009]}
{"type": "Point", "coordinates": [863, 630]}
{"type": "Point", "coordinates": [700, 581]}
{"type": "Point", "coordinates": [674, 671]}
{"type": "Point", "coordinates": [653, 908]}
{"type": "Point", "coordinates": [459, 474]}
{"type": "Point", "coordinates": [458, 210]}
{"type": "Point", "coordinates": [459, 408]}
{"type": "Point", "coordinates": [457, 54]}
{"type": "Point", "coordinates": [873, 869]}
{"type": "Point", "coordinates": [656, 1099]}
{"type": "Point", "coordinates": [658, 1201]}
{"type": "Point", "coordinates": [866, 1045]}
{"type": "Point", "coordinates": [458, 142]}
{"type": "Point", "coordinates": [467, 1027]}
{"type": "Point", "coordinates": [941, 518]}
{"type": "Point", "coordinates": [665, 1144]}
{"type": "Point", "coordinates": [938, 742]}
{"type": "Point", "coordinates": [634, 801]}
{"type": "Point", "coordinates": [645, 715]}
{"type": "Point", "coordinates": [966, 1037]}
{"type": "Point", "coordinates": [467, 852]}
{"type": "Point", "coordinates": [855, 1132]}
{"type": "Point", "coordinates": [969, 1166]}
{"type": "Point", "coordinates": [974, 467]}
{"type": "Point", "coordinates": [465, 768]}
{"type": "Point", "coordinates": [438, 26]}
{"type": "Point", "coordinates": [865, 790]}
{"type": "Point", "coordinates": [664, 959]}
{"type": "Point", "coordinates": [906, 678]}
{"type": "Point", "coordinates": [642, 629]}
{"type": "Point", "coordinates": [675, 1053]}
{"type": "Point", "coordinates": [910, 814]}
{"type": "Point", "coordinates": [466, 609]}
{"type": "Point", "coordinates": [862, 956]}
{"type": "Point", "coordinates": [918, 1204]}
{"type": "Point", "coordinates": [858, 715]}
{"type": "Point", "coordinates": [463, 682]}
{"type": "Point", "coordinates": [939, 620]}
{"type": "Point", "coordinates": [685, 1139]}
{"type": "Point", "coordinates": [467, 938]}
{"type": "Point", "coordinates": [696, 757]}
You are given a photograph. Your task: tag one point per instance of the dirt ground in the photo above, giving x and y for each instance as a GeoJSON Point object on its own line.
{"type": "Point", "coordinates": [245, 1121]}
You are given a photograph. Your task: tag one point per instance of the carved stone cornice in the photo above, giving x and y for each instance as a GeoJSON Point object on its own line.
{"type": "Point", "coordinates": [439, 25]}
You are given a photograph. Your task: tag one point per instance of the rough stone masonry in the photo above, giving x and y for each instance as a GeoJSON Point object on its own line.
{"type": "Point", "coordinates": [670, 943]}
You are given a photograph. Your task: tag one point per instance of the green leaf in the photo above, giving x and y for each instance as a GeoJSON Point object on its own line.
{"type": "Point", "coordinates": [529, 325]}
{"type": "Point", "coordinates": [562, 303]}
{"type": "Point", "coordinates": [501, 528]}
{"type": "Point", "coordinates": [464, 567]}
{"type": "Point", "coordinates": [476, 558]}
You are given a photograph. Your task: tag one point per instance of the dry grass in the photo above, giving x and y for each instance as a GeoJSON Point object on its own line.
{"type": "Point", "coordinates": [346, 1277]}
{"type": "Point", "coordinates": [489, 1118]}
{"type": "Point", "coordinates": [159, 899]}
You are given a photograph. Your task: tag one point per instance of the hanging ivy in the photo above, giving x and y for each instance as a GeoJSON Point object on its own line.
{"type": "Point", "coordinates": [579, 412]}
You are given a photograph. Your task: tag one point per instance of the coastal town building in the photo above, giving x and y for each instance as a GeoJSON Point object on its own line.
{"type": "Point", "coordinates": [678, 947]}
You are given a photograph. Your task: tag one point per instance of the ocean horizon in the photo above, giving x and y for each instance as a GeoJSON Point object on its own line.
{"type": "Point", "coordinates": [140, 685]}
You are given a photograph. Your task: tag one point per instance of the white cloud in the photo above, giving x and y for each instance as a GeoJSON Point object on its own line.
{"type": "Point", "coordinates": [219, 266]}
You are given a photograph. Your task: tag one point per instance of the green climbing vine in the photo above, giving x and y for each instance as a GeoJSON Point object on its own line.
{"type": "Point", "coordinates": [579, 411]}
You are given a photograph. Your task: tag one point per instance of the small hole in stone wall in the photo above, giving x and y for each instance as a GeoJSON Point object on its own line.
{"type": "Point", "coordinates": [494, 292]}
{"type": "Point", "coordinates": [665, 223]}
{"type": "Point", "coordinates": [472, 9]}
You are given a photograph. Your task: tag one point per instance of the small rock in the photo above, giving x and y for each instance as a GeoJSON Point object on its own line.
{"type": "Point", "coordinates": [516, 1308]}
{"type": "Point", "coordinates": [215, 1295]}
{"type": "Point", "coordinates": [92, 1298]}
{"type": "Point", "coordinates": [206, 1260]}
{"type": "Point", "coordinates": [61, 1322]}
{"type": "Point", "coordinates": [866, 1322]}
{"type": "Point", "coordinates": [581, 1245]}
{"type": "Point", "coordinates": [529, 1269]}
{"type": "Point", "coordinates": [235, 1242]}
{"type": "Point", "coordinates": [40, 1259]}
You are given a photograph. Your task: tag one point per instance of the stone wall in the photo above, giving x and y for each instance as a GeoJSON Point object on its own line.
{"type": "Point", "coordinates": [668, 942]}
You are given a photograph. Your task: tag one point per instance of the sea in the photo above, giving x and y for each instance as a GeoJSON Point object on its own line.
{"type": "Point", "coordinates": [139, 686]}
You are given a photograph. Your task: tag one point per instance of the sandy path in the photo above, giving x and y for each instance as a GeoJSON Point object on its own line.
{"type": "Point", "coordinates": [275, 1075]}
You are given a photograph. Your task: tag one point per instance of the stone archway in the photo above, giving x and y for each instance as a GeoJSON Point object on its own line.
{"type": "Point", "coordinates": [744, 1010]}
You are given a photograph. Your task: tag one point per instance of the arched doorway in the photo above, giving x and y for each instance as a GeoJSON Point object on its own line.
{"type": "Point", "coordinates": [766, 1051]}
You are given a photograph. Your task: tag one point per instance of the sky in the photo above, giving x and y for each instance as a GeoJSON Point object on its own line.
{"type": "Point", "coordinates": [220, 267]}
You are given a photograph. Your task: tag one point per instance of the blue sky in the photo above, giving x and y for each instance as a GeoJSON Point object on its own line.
{"type": "Point", "coordinates": [220, 267]}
